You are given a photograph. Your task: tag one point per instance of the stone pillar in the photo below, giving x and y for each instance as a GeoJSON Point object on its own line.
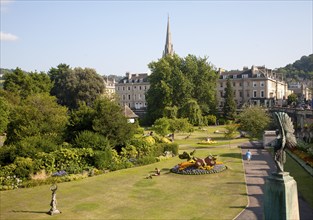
{"type": "Point", "coordinates": [281, 197]}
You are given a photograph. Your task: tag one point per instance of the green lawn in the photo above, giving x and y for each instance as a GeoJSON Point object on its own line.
{"type": "Point", "coordinates": [304, 179]}
{"type": "Point", "coordinates": [126, 194]}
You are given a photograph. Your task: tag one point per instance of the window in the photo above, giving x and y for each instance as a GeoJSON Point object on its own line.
{"type": "Point", "coordinates": [240, 84]}
{"type": "Point", "coordinates": [240, 93]}
{"type": "Point", "coordinates": [248, 95]}
{"type": "Point", "coordinates": [244, 75]}
{"type": "Point", "coordinates": [234, 93]}
{"type": "Point", "coordinates": [254, 93]}
{"type": "Point", "coordinates": [128, 97]}
{"type": "Point", "coordinates": [262, 94]}
{"type": "Point", "coordinates": [234, 84]}
{"type": "Point", "coordinates": [258, 75]}
{"type": "Point", "coordinates": [139, 87]}
{"type": "Point", "coordinates": [123, 88]}
{"type": "Point", "coordinates": [128, 88]}
{"type": "Point", "coordinates": [235, 76]}
{"type": "Point", "coordinates": [262, 83]}
{"type": "Point", "coordinates": [254, 84]}
{"type": "Point", "coordinates": [123, 97]}
{"type": "Point", "coordinates": [224, 77]}
{"type": "Point", "coordinates": [221, 94]}
{"type": "Point", "coordinates": [221, 84]}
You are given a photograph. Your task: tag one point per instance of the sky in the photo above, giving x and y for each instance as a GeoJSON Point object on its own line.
{"type": "Point", "coordinates": [115, 37]}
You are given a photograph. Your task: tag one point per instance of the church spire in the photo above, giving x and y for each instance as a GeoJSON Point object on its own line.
{"type": "Point", "coordinates": [168, 42]}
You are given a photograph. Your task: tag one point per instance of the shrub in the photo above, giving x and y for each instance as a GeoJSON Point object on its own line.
{"type": "Point", "coordinates": [173, 147]}
{"type": "Point", "coordinates": [24, 167]}
{"type": "Point", "coordinates": [211, 119]}
{"type": "Point", "coordinates": [88, 139]}
{"type": "Point", "coordinates": [103, 159]}
{"type": "Point", "coordinates": [147, 160]}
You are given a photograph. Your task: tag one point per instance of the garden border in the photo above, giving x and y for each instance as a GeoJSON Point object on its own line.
{"type": "Point", "coordinates": [301, 162]}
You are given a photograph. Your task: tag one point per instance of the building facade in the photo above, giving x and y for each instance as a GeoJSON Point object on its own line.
{"type": "Point", "coordinates": [256, 86]}
{"type": "Point", "coordinates": [109, 84]}
{"type": "Point", "coordinates": [131, 90]}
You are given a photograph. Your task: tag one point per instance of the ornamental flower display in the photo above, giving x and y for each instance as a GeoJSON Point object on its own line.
{"type": "Point", "coordinates": [198, 166]}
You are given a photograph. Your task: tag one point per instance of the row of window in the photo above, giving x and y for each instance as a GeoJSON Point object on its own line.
{"type": "Point", "coordinates": [135, 96]}
{"type": "Point", "coordinates": [262, 94]}
{"type": "Point", "coordinates": [134, 88]}
{"type": "Point", "coordinates": [138, 105]}
{"type": "Point", "coordinates": [258, 75]}
{"type": "Point", "coordinates": [254, 84]}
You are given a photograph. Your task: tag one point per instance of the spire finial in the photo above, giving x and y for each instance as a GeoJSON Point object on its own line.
{"type": "Point", "coordinates": [168, 42]}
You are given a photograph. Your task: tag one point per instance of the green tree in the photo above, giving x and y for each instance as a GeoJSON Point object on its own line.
{"type": "Point", "coordinates": [4, 114]}
{"type": "Point", "coordinates": [73, 86]}
{"type": "Point", "coordinates": [192, 111]}
{"type": "Point", "coordinates": [37, 115]}
{"type": "Point", "coordinates": [229, 107]}
{"type": "Point", "coordinates": [292, 98]}
{"type": "Point", "coordinates": [24, 84]}
{"type": "Point", "coordinates": [179, 125]}
{"type": "Point", "coordinates": [254, 120]}
{"type": "Point", "coordinates": [161, 126]}
{"type": "Point", "coordinates": [174, 81]}
{"type": "Point", "coordinates": [110, 122]}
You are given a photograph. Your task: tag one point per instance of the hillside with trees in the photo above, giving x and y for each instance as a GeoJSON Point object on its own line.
{"type": "Point", "coordinates": [300, 69]}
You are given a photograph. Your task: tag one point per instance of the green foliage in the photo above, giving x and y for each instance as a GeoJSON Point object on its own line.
{"type": "Point", "coordinates": [254, 120]}
{"type": "Point", "coordinates": [211, 119]}
{"type": "Point", "coordinates": [24, 167]}
{"type": "Point", "coordinates": [300, 68]}
{"type": "Point", "coordinates": [73, 160]}
{"type": "Point", "coordinates": [161, 126]}
{"type": "Point", "coordinates": [173, 147]}
{"type": "Point", "coordinates": [24, 84]}
{"type": "Point", "coordinates": [72, 86]}
{"type": "Point", "coordinates": [229, 107]}
{"type": "Point", "coordinates": [180, 125]}
{"type": "Point", "coordinates": [89, 139]}
{"type": "Point", "coordinates": [4, 114]}
{"type": "Point", "coordinates": [231, 130]}
{"type": "Point", "coordinates": [103, 159]}
{"type": "Point", "coordinates": [129, 152]}
{"type": "Point", "coordinates": [192, 111]}
{"type": "Point", "coordinates": [110, 122]}
{"type": "Point", "coordinates": [80, 120]}
{"type": "Point", "coordinates": [170, 112]}
{"type": "Point", "coordinates": [292, 98]}
{"type": "Point", "coordinates": [38, 115]}
{"type": "Point", "coordinates": [175, 80]}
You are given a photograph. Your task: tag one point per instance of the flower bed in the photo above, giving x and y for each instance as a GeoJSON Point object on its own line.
{"type": "Point", "coordinates": [193, 171]}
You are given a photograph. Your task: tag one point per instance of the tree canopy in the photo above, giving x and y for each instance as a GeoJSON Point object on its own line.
{"type": "Point", "coordinates": [302, 68]}
{"type": "Point", "coordinates": [24, 84]}
{"type": "Point", "coordinates": [72, 86]}
{"type": "Point", "coordinates": [229, 107]}
{"type": "Point", "coordinates": [37, 115]}
{"type": "Point", "coordinates": [174, 81]}
{"type": "Point", "coordinates": [254, 120]}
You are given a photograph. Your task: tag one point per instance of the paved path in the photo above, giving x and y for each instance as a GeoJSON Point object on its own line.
{"type": "Point", "coordinates": [256, 171]}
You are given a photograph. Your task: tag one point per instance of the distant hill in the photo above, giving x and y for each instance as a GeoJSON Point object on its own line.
{"type": "Point", "coordinates": [300, 70]}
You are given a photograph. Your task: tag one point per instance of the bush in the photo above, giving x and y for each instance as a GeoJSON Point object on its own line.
{"type": "Point", "coordinates": [146, 160]}
{"type": "Point", "coordinates": [173, 147]}
{"type": "Point", "coordinates": [103, 159]}
{"type": "Point", "coordinates": [24, 167]}
{"type": "Point", "coordinates": [211, 119]}
{"type": "Point", "coordinates": [88, 139]}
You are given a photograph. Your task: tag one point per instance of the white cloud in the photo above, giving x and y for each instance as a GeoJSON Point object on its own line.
{"type": "Point", "coordinates": [7, 37]}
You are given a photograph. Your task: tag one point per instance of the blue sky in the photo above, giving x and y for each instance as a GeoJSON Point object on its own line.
{"type": "Point", "coordinates": [114, 37]}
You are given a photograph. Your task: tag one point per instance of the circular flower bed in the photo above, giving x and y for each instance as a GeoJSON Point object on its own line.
{"type": "Point", "coordinates": [193, 171]}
